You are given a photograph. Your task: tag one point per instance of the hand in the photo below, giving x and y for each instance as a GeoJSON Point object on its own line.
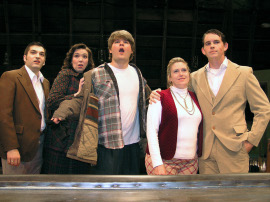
{"type": "Point", "coordinates": [14, 157]}
{"type": "Point", "coordinates": [80, 87]}
{"type": "Point", "coordinates": [154, 96]}
{"type": "Point", "coordinates": [160, 170]}
{"type": "Point", "coordinates": [56, 120]}
{"type": "Point", "coordinates": [248, 146]}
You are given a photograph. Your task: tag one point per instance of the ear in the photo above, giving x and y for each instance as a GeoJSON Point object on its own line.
{"type": "Point", "coordinates": [169, 78]}
{"type": "Point", "coordinates": [203, 52]}
{"type": "Point", "coordinates": [226, 46]}
{"type": "Point", "coordinates": [24, 58]}
{"type": "Point", "coordinates": [110, 51]}
{"type": "Point", "coordinates": [44, 63]}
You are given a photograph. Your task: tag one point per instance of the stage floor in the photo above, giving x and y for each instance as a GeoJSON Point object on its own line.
{"type": "Point", "coordinates": [243, 187]}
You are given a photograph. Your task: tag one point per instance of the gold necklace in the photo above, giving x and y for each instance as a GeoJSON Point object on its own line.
{"type": "Point", "coordinates": [183, 99]}
{"type": "Point", "coordinates": [190, 112]}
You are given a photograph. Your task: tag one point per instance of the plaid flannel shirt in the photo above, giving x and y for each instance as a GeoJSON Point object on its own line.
{"type": "Point", "coordinates": [109, 117]}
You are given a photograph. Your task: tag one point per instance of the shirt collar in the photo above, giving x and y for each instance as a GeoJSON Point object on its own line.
{"type": "Point", "coordinates": [222, 66]}
{"type": "Point", "coordinates": [32, 75]}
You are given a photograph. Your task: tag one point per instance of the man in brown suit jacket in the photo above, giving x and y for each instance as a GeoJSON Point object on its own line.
{"type": "Point", "coordinates": [223, 88]}
{"type": "Point", "coordinates": [22, 113]}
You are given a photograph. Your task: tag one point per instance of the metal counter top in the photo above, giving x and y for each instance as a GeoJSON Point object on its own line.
{"type": "Point", "coordinates": [231, 187]}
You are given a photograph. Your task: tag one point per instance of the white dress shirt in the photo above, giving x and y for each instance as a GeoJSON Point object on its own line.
{"type": "Point", "coordinates": [36, 81]}
{"type": "Point", "coordinates": [215, 76]}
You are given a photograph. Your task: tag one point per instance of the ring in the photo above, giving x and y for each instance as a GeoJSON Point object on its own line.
{"type": "Point", "coordinates": [12, 161]}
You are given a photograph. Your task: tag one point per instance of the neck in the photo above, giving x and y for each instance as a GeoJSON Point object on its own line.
{"type": "Point", "coordinates": [215, 63]}
{"type": "Point", "coordinates": [119, 64]}
{"type": "Point", "coordinates": [36, 72]}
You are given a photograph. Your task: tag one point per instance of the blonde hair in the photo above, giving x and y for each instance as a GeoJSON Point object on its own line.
{"type": "Point", "coordinates": [124, 35]}
{"type": "Point", "coordinates": [170, 64]}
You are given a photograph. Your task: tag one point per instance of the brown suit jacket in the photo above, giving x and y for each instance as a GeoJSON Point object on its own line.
{"type": "Point", "coordinates": [224, 115]}
{"type": "Point", "coordinates": [20, 117]}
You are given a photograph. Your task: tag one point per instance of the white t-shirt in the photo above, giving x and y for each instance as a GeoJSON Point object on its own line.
{"type": "Point", "coordinates": [128, 84]}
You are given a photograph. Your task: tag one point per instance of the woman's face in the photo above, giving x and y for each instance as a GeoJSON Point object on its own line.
{"type": "Point", "coordinates": [179, 75]}
{"type": "Point", "coordinates": [79, 60]}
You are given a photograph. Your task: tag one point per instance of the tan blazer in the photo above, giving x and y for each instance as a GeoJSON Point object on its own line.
{"type": "Point", "coordinates": [224, 115]}
{"type": "Point", "coordinates": [20, 117]}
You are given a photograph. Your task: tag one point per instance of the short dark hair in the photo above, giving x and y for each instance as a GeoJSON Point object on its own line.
{"type": "Point", "coordinates": [67, 61]}
{"type": "Point", "coordinates": [217, 32]}
{"type": "Point", "coordinates": [34, 43]}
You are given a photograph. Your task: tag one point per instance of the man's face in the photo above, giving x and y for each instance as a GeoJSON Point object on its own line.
{"type": "Point", "coordinates": [214, 48]}
{"type": "Point", "coordinates": [35, 58]}
{"type": "Point", "coordinates": [121, 50]}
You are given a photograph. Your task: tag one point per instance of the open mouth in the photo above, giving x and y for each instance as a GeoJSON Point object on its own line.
{"type": "Point", "coordinates": [121, 50]}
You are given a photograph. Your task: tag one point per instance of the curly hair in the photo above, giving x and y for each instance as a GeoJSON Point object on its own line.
{"type": "Point", "coordinates": [67, 61]}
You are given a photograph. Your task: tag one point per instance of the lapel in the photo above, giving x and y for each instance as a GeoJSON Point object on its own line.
{"type": "Point", "coordinates": [46, 88]}
{"type": "Point", "coordinates": [229, 78]}
{"type": "Point", "coordinates": [28, 87]}
{"type": "Point", "coordinates": [202, 83]}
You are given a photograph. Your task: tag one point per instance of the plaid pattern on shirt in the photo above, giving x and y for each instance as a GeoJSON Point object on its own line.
{"type": "Point", "coordinates": [109, 117]}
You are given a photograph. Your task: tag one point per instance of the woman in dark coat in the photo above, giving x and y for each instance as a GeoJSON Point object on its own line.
{"type": "Point", "coordinates": [59, 138]}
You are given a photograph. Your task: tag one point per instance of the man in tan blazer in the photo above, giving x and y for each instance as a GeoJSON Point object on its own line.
{"type": "Point", "coordinates": [223, 88]}
{"type": "Point", "coordinates": [22, 113]}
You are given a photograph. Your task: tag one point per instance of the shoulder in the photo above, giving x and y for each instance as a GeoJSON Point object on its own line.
{"type": "Point", "coordinates": [13, 73]}
{"type": "Point", "coordinates": [240, 68]}
{"type": "Point", "coordinates": [134, 66]}
{"type": "Point", "coordinates": [198, 72]}
{"type": "Point", "coordinates": [99, 69]}
{"type": "Point", "coordinates": [164, 92]}
{"type": "Point", "coordinates": [68, 72]}
{"type": "Point", "coordinates": [100, 73]}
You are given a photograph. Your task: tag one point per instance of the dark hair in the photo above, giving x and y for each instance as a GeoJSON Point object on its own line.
{"type": "Point", "coordinates": [217, 32]}
{"type": "Point", "coordinates": [67, 61]}
{"type": "Point", "coordinates": [121, 34]}
{"type": "Point", "coordinates": [34, 43]}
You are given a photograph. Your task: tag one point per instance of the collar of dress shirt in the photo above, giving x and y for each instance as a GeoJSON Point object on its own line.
{"type": "Point", "coordinates": [32, 75]}
{"type": "Point", "coordinates": [222, 66]}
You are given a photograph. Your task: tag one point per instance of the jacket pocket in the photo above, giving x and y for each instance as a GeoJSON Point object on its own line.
{"type": "Point", "coordinates": [240, 129]}
{"type": "Point", "coordinates": [104, 90]}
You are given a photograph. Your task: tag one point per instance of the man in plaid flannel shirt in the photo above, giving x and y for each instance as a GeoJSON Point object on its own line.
{"type": "Point", "coordinates": [120, 88]}
{"type": "Point", "coordinates": [121, 91]}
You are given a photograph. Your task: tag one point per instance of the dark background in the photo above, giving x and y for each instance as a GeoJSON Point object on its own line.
{"type": "Point", "coordinates": [163, 29]}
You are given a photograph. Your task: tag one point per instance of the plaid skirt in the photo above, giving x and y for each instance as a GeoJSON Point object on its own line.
{"type": "Point", "coordinates": [174, 166]}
